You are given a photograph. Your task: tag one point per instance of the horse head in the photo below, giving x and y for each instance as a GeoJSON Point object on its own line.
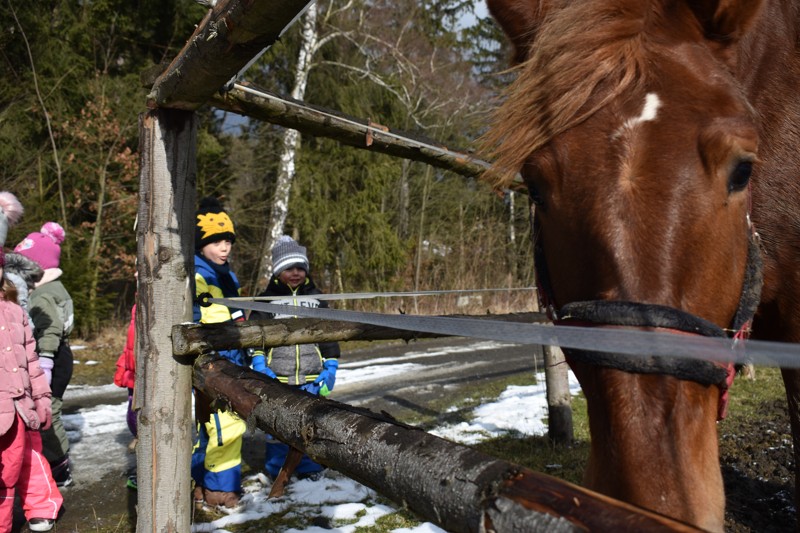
{"type": "Point", "coordinates": [636, 140]}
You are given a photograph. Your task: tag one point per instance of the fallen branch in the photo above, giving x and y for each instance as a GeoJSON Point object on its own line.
{"type": "Point", "coordinates": [454, 486]}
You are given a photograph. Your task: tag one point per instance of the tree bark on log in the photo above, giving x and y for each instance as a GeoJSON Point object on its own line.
{"type": "Point", "coordinates": [352, 131]}
{"type": "Point", "coordinates": [165, 261]}
{"type": "Point", "coordinates": [194, 339]}
{"type": "Point", "coordinates": [454, 486]}
{"type": "Point", "coordinates": [230, 35]}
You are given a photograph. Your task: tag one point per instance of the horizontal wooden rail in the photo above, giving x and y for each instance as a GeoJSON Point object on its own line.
{"type": "Point", "coordinates": [194, 339]}
{"type": "Point", "coordinates": [360, 133]}
{"type": "Point", "coordinates": [454, 486]}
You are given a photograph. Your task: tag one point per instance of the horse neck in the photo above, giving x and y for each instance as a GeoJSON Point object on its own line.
{"type": "Point", "coordinates": [768, 57]}
{"type": "Point", "coordinates": [769, 69]}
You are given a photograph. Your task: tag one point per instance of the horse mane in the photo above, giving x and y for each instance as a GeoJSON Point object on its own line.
{"type": "Point", "coordinates": [584, 55]}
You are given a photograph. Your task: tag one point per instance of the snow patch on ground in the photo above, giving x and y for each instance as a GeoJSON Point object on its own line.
{"type": "Point", "coordinates": [96, 433]}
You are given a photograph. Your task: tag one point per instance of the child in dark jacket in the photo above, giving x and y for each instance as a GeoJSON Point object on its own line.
{"type": "Point", "coordinates": [310, 367]}
{"type": "Point", "coordinates": [51, 310]}
{"type": "Point", "coordinates": [53, 318]}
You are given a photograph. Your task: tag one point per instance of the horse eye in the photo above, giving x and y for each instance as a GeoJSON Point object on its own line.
{"type": "Point", "coordinates": [740, 176]}
{"type": "Point", "coordinates": [536, 198]}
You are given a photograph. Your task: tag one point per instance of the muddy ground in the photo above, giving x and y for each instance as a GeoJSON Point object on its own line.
{"type": "Point", "coordinates": [758, 470]}
{"type": "Point", "coordinates": [756, 457]}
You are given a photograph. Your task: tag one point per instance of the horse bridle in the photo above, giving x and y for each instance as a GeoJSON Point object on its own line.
{"type": "Point", "coordinates": [625, 314]}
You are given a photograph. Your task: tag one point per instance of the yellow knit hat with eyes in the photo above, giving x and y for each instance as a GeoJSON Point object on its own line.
{"type": "Point", "coordinates": [213, 224]}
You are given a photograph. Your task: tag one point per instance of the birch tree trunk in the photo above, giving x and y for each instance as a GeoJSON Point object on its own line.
{"type": "Point", "coordinates": [291, 144]}
{"type": "Point", "coordinates": [512, 240]}
{"type": "Point", "coordinates": [167, 190]}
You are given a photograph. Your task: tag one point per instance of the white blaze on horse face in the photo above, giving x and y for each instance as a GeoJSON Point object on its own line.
{"type": "Point", "coordinates": [649, 112]}
{"type": "Point", "coordinates": [622, 234]}
{"type": "Point", "coordinates": [625, 135]}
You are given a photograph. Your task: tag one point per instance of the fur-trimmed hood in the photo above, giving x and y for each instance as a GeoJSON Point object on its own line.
{"type": "Point", "coordinates": [25, 268]}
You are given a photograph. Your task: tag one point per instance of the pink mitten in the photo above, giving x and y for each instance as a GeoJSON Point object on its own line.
{"type": "Point", "coordinates": [44, 412]}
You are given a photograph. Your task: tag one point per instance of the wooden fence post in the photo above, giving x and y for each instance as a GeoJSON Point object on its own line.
{"type": "Point", "coordinates": [559, 400]}
{"type": "Point", "coordinates": [165, 232]}
{"type": "Point", "coordinates": [556, 377]}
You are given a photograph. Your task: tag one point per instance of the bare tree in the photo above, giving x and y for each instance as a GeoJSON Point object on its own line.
{"type": "Point", "coordinates": [310, 44]}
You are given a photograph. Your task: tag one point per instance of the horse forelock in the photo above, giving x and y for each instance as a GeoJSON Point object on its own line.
{"type": "Point", "coordinates": [584, 55]}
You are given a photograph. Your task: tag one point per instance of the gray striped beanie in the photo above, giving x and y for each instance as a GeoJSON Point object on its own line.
{"type": "Point", "coordinates": [288, 253]}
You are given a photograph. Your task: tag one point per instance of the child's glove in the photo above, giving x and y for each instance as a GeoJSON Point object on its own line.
{"type": "Point", "coordinates": [260, 365]}
{"type": "Point", "coordinates": [46, 363]}
{"type": "Point", "coordinates": [43, 412]}
{"type": "Point", "coordinates": [311, 388]}
{"type": "Point", "coordinates": [327, 377]}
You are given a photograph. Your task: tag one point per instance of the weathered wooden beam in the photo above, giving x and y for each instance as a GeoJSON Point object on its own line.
{"type": "Point", "coordinates": [165, 263]}
{"type": "Point", "coordinates": [194, 339]}
{"type": "Point", "coordinates": [454, 486]}
{"type": "Point", "coordinates": [230, 35]}
{"type": "Point", "coordinates": [357, 132]}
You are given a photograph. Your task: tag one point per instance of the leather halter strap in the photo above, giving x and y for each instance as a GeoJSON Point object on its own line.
{"type": "Point", "coordinates": [607, 313]}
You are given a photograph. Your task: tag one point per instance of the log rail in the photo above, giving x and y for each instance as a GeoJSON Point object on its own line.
{"type": "Point", "coordinates": [454, 486]}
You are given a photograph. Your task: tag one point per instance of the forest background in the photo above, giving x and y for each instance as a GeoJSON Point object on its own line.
{"type": "Point", "coordinates": [72, 90]}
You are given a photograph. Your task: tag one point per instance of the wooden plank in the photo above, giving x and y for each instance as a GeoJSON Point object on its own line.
{"type": "Point", "coordinates": [257, 103]}
{"type": "Point", "coordinates": [189, 340]}
{"type": "Point", "coordinates": [451, 485]}
{"type": "Point", "coordinates": [230, 35]}
{"type": "Point", "coordinates": [165, 261]}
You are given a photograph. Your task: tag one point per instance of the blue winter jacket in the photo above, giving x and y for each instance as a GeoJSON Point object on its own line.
{"type": "Point", "coordinates": [220, 282]}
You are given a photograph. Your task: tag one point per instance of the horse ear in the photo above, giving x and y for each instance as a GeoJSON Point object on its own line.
{"type": "Point", "coordinates": [519, 20]}
{"type": "Point", "coordinates": [725, 20]}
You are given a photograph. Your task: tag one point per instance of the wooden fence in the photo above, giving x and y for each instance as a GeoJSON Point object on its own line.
{"type": "Point", "coordinates": [451, 485]}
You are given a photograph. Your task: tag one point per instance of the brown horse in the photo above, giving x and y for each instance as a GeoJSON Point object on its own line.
{"type": "Point", "coordinates": [648, 133]}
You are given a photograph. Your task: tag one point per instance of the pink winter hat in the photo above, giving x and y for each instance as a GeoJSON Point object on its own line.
{"type": "Point", "coordinates": [43, 246]}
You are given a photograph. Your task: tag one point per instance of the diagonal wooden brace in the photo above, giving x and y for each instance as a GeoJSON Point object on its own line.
{"type": "Point", "coordinates": [289, 464]}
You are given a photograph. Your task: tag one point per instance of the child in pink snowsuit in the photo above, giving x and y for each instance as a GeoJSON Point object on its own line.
{"type": "Point", "coordinates": [24, 409]}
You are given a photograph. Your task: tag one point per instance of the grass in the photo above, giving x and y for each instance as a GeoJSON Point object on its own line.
{"type": "Point", "coordinates": [749, 396]}
{"type": "Point", "coordinates": [96, 358]}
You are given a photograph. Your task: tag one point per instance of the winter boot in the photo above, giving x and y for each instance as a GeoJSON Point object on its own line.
{"type": "Point", "coordinates": [62, 473]}
{"type": "Point", "coordinates": [41, 524]}
{"type": "Point", "coordinates": [227, 502]}
{"type": "Point", "coordinates": [198, 497]}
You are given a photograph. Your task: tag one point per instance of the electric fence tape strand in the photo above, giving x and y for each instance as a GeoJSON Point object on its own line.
{"type": "Point", "coordinates": [368, 295]}
{"type": "Point", "coordinates": [642, 344]}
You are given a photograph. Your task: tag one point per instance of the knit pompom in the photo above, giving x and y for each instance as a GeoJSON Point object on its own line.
{"type": "Point", "coordinates": [11, 206]}
{"type": "Point", "coordinates": [54, 231]}
{"type": "Point", "coordinates": [10, 213]}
